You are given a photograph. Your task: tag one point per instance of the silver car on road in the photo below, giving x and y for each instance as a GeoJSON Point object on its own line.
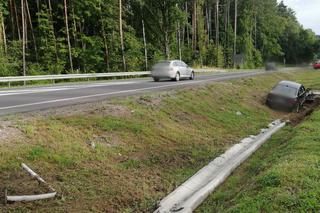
{"type": "Point", "coordinates": [174, 70]}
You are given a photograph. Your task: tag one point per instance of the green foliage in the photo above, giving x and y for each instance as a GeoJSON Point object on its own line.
{"type": "Point", "coordinates": [114, 124]}
{"type": "Point", "coordinates": [36, 153]}
{"type": "Point", "coordinates": [270, 179]}
{"type": "Point", "coordinates": [9, 62]}
{"type": "Point", "coordinates": [215, 56]}
{"type": "Point", "coordinates": [266, 31]}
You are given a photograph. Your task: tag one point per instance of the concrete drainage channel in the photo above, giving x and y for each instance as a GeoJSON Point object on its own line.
{"type": "Point", "coordinates": [194, 191]}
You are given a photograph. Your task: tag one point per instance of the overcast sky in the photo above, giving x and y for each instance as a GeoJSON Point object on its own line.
{"type": "Point", "coordinates": [308, 12]}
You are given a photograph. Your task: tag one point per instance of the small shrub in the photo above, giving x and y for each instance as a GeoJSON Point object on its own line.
{"type": "Point", "coordinates": [271, 179]}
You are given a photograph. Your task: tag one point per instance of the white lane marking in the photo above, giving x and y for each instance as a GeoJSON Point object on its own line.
{"type": "Point", "coordinates": [126, 91]}
{"type": "Point", "coordinates": [53, 89]}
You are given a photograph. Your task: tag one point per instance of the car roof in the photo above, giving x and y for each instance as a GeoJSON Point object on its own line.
{"type": "Point", "coordinates": [169, 61]}
{"type": "Point", "coordinates": [163, 61]}
{"type": "Point", "coordinates": [290, 84]}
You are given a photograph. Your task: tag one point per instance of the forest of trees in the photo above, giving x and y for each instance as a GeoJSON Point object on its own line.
{"type": "Point", "coordinates": [69, 36]}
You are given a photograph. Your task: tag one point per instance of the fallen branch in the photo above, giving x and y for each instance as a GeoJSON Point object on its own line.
{"type": "Point", "coordinates": [17, 198]}
{"type": "Point", "coordinates": [30, 197]}
{"type": "Point", "coordinates": [35, 175]}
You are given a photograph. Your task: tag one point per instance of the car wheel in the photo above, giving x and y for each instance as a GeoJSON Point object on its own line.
{"type": "Point", "coordinates": [192, 76]}
{"type": "Point", "coordinates": [177, 78]}
{"type": "Point", "coordinates": [156, 79]}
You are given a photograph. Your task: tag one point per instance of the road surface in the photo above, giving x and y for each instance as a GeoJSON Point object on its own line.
{"type": "Point", "coordinates": [37, 98]}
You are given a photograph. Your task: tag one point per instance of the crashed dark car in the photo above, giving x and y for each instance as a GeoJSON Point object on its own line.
{"type": "Point", "coordinates": [288, 96]}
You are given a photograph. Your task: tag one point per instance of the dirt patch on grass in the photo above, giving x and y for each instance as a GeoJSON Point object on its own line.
{"type": "Point", "coordinates": [107, 139]}
{"type": "Point", "coordinates": [104, 108]}
{"type": "Point", "coordinates": [9, 133]}
{"type": "Point", "coordinates": [308, 109]}
{"type": "Point", "coordinates": [113, 110]}
{"type": "Point", "coordinates": [150, 100]}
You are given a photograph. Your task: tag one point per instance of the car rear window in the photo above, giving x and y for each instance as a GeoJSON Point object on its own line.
{"type": "Point", "coordinates": [163, 64]}
{"type": "Point", "coordinates": [285, 91]}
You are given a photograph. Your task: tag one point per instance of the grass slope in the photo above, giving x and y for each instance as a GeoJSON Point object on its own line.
{"type": "Point", "coordinates": [283, 176]}
{"type": "Point", "coordinates": [145, 145]}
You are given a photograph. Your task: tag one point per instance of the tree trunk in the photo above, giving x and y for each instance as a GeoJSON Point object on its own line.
{"type": "Point", "coordinates": [179, 41]}
{"type": "Point", "coordinates": [53, 31]}
{"type": "Point", "coordinates": [188, 34]}
{"type": "Point", "coordinates": [235, 30]}
{"type": "Point", "coordinates": [74, 32]}
{"type": "Point", "coordinates": [32, 32]}
{"type": "Point", "coordinates": [228, 19]}
{"type": "Point", "coordinates": [38, 11]}
{"type": "Point", "coordinates": [194, 25]}
{"type": "Point", "coordinates": [12, 19]}
{"type": "Point", "coordinates": [4, 36]}
{"type": "Point", "coordinates": [255, 31]}
{"type": "Point", "coordinates": [208, 11]}
{"type": "Point", "coordinates": [105, 42]}
{"type": "Point", "coordinates": [17, 19]}
{"type": "Point", "coordinates": [74, 25]}
{"type": "Point", "coordinates": [121, 37]}
{"type": "Point", "coordinates": [166, 44]}
{"type": "Point", "coordinates": [24, 37]}
{"type": "Point", "coordinates": [68, 35]}
{"type": "Point", "coordinates": [226, 34]}
{"type": "Point", "coordinates": [3, 39]}
{"type": "Point", "coordinates": [217, 23]}
{"type": "Point", "coordinates": [145, 45]}
{"type": "Point", "coordinates": [217, 32]}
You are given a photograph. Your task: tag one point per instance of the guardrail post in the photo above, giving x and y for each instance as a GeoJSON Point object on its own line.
{"type": "Point", "coordinates": [9, 84]}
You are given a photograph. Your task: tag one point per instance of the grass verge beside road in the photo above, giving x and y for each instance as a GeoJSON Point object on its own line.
{"type": "Point", "coordinates": [144, 145]}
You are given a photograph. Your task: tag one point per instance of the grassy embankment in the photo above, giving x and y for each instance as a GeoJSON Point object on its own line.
{"type": "Point", "coordinates": [145, 145]}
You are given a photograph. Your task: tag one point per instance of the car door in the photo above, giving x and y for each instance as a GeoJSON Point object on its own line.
{"type": "Point", "coordinates": [176, 67]}
{"type": "Point", "coordinates": [187, 69]}
{"type": "Point", "coordinates": [182, 69]}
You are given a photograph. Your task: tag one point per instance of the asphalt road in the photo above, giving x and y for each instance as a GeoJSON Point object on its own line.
{"type": "Point", "coordinates": [37, 98]}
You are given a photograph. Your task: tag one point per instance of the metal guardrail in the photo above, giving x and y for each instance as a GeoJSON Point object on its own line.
{"type": "Point", "coordinates": [70, 76]}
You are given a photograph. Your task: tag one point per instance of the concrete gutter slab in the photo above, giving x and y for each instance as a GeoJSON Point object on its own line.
{"type": "Point", "coordinates": [194, 191]}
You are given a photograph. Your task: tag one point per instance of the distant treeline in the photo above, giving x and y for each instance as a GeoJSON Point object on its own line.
{"type": "Point", "coordinates": [67, 36]}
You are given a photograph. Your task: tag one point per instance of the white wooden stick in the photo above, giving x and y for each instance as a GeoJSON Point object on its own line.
{"type": "Point", "coordinates": [32, 173]}
{"type": "Point", "coordinates": [30, 197]}
{"type": "Point", "coordinates": [35, 175]}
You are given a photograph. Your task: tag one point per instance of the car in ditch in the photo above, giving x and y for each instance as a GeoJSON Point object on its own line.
{"type": "Point", "coordinates": [174, 70]}
{"type": "Point", "coordinates": [316, 65]}
{"type": "Point", "coordinates": [288, 96]}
